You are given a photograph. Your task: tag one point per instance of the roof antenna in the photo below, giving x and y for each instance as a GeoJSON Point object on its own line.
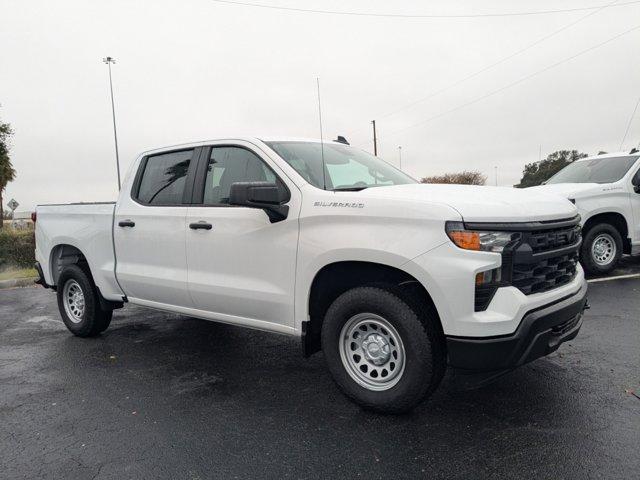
{"type": "Point", "coordinates": [324, 175]}
{"type": "Point", "coordinates": [629, 124]}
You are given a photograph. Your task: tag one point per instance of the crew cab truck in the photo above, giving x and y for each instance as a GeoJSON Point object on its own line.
{"type": "Point", "coordinates": [393, 280]}
{"type": "Point", "coordinates": [606, 191]}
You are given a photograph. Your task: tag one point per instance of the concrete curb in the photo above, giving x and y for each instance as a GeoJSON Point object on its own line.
{"type": "Point", "coordinates": [17, 282]}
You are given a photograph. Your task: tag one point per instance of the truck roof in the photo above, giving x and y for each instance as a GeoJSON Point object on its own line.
{"type": "Point", "coordinates": [241, 138]}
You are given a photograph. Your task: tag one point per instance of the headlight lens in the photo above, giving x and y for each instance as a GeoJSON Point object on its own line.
{"type": "Point", "coordinates": [486, 241]}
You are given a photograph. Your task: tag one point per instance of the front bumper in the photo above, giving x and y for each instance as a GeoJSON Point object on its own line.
{"type": "Point", "coordinates": [540, 332]}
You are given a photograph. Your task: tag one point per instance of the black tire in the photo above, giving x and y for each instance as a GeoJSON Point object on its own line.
{"type": "Point", "coordinates": [587, 257]}
{"type": "Point", "coordinates": [422, 340]}
{"type": "Point", "coordinates": [93, 319]}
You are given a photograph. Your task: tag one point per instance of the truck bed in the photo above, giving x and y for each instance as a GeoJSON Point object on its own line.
{"type": "Point", "coordinates": [87, 227]}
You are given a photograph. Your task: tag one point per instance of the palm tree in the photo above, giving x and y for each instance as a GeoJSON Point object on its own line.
{"type": "Point", "coordinates": [7, 172]}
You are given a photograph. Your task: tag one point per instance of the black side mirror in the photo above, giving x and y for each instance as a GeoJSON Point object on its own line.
{"type": "Point", "coordinates": [270, 197]}
{"type": "Point", "coordinates": [635, 181]}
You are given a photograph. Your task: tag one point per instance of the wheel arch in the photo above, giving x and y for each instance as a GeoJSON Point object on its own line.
{"type": "Point", "coordinates": [615, 219]}
{"type": "Point", "coordinates": [64, 254]}
{"type": "Point", "coordinates": [337, 277]}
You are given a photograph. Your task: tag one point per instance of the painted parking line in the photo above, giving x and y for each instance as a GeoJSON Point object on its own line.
{"type": "Point", "coordinates": [617, 277]}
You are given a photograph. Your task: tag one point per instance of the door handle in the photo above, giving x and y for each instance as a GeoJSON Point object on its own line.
{"type": "Point", "coordinates": [200, 226]}
{"type": "Point", "coordinates": [126, 223]}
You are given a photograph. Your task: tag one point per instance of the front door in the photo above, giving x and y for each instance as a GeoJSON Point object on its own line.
{"type": "Point", "coordinates": [149, 230]}
{"type": "Point", "coordinates": [241, 266]}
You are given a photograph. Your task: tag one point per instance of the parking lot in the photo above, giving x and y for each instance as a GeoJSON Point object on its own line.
{"type": "Point", "coordinates": [164, 396]}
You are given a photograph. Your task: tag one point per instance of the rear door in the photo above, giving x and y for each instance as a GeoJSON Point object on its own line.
{"type": "Point", "coordinates": [241, 265]}
{"type": "Point", "coordinates": [149, 229]}
{"type": "Point", "coordinates": [634, 198]}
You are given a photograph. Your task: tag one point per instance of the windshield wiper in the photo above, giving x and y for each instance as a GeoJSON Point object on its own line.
{"type": "Point", "coordinates": [349, 189]}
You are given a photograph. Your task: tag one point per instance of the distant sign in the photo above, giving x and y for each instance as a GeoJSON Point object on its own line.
{"type": "Point", "coordinates": [13, 204]}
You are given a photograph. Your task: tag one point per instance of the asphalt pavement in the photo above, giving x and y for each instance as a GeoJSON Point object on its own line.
{"type": "Point", "coordinates": [164, 396]}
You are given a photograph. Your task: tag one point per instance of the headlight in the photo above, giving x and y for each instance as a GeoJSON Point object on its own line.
{"type": "Point", "coordinates": [486, 241]}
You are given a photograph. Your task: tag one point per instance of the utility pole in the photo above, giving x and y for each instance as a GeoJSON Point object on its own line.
{"type": "Point", "coordinates": [109, 61]}
{"type": "Point", "coordinates": [375, 139]}
{"type": "Point", "coordinates": [400, 155]}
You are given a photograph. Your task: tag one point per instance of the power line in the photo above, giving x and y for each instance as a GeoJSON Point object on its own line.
{"type": "Point", "coordinates": [629, 124]}
{"type": "Point", "coordinates": [403, 15]}
{"type": "Point", "coordinates": [512, 84]}
{"type": "Point", "coordinates": [495, 64]}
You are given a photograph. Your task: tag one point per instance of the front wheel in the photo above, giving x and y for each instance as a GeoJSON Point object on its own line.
{"type": "Point", "coordinates": [79, 304]}
{"type": "Point", "coordinates": [601, 249]}
{"type": "Point", "coordinates": [382, 353]}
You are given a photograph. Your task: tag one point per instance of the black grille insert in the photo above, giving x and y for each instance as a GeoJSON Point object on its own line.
{"type": "Point", "coordinates": [545, 274]}
{"type": "Point", "coordinates": [541, 241]}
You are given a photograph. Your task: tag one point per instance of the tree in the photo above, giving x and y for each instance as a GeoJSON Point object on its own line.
{"type": "Point", "coordinates": [468, 177]}
{"type": "Point", "coordinates": [7, 172]}
{"type": "Point", "coordinates": [537, 172]}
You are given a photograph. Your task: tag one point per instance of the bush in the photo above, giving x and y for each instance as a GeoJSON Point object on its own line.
{"type": "Point", "coordinates": [17, 248]}
{"type": "Point", "coordinates": [463, 178]}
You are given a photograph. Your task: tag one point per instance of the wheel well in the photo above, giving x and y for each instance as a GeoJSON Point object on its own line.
{"type": "Point", "coordinates": [335, 279]}
{"type": "Point", "coordinates": [63, 255]}
{"type": "Point", "coordinates": [614, 219]}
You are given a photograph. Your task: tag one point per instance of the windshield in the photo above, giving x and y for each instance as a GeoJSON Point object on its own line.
{"type": "Point", "coordinates": [346, 168]}
{"type": "Point", "coordinates": [595, 170]}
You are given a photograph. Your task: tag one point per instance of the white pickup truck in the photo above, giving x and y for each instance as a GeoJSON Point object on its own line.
{"type": "Point", "coordinates": [393, 280]}
{"type": "Point", "coordinates": [606, 191]}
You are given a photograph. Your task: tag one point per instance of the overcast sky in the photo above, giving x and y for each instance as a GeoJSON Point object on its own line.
{"type": "Point", "coordinates": [197, 69]}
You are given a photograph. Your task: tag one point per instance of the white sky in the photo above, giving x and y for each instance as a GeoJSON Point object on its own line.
{"type": "Point", "coordinates": [195, 69]}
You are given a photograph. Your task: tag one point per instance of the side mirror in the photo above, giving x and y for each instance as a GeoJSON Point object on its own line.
{"type": "Point", "coordinates": [635, 181]}
{"type": "Point", "coordinates": [270, 197]}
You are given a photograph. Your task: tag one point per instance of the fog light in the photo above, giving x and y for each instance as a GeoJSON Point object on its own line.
{"type": "Point", "coordinates": [487, 283]}
{"type": "Point", "coordinates": [489, 276]}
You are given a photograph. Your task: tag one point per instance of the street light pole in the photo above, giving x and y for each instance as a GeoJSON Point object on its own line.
{"type": "Point", "coordinates": [400, 155]}
{"type": "Point", "coordinates": [109, 61]}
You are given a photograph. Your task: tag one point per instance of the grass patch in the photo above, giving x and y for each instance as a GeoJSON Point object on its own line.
{"type": "Point", "coordinates": [18, 273]}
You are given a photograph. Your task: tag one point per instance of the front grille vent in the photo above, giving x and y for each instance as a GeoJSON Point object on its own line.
{"type": "Point", "coordinates": [546, 274]}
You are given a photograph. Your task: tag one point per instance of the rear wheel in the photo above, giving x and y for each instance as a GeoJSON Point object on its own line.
{"type": "Point", "coordinates": [382, 353]}
{"type": "Point", "coordinates": [601, 249]}
{"type": "Point", "coordinates": [79, 304]}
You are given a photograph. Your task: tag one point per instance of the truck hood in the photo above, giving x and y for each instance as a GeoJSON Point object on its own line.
{"type": "Point", "coordinates": [484, 204]}
{"type": "Point", "coordinates": [569, 190]}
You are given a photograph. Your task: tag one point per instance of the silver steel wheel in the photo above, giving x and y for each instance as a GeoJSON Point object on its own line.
{"type": "Point", "coordinates": [73, 299]}
{"type": "Point", "coordinates": [603, 249]}
{"type": "Point", "coordinates": [372, 352]}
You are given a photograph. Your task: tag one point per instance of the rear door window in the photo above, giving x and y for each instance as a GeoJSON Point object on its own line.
{"type": "Point", "coordinates": [164, 178]}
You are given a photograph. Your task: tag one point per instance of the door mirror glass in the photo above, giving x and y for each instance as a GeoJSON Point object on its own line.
{"type": "Point", "coordinates": [265, 195]}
